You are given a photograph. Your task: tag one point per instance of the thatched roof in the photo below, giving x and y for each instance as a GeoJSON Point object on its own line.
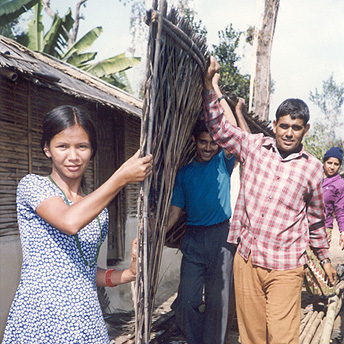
{"type": "Point", "coordinates": [46, 71]}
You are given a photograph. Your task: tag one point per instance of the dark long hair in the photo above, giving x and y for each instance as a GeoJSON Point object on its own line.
{"type": "Point", "coordinates": [63, 117]}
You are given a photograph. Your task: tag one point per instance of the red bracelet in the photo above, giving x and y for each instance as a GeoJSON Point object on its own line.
{"type": "Point", "coordinates": [108, 278]}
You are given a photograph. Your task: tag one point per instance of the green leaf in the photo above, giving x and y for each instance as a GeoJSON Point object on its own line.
{"type": "Point", "coordinates": [79, 60]}
{"type": "Point", "coordinates": [84, 42]}
{"type": "Point", "coordinates": [6, 31]}
{"type": "Point", "coordinates": [56, 39]}
{"type": "Point", "coordinates": [113, 80]}
{"type": "Point", "coordinates": [119, 80]}
{"type": "Point", "coordinates": [113, 65]}
{"type": "Point", "coordinates": [68, 20]}
{"type": "Point", "coordinates": [36, 30]}
{"type": "Point", "coordinates": [10, 10]}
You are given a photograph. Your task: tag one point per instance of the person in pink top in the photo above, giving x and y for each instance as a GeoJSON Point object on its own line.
{"type": "Point", "coordinates": [278, 214]}
{"type": "Point", "coordinates": [333, 189]}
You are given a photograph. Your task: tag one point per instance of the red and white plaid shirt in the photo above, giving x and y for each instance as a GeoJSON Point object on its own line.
{"type": "Point", "coordinates": [280, 207]}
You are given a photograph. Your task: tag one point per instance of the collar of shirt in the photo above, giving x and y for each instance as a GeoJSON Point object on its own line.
{"type": "Point", "coordinates": [301, 154]}
{"type": "Point", "coordinates": [327, 181]}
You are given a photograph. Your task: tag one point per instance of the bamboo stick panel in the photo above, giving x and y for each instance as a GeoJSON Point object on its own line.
{"type": "Point", "coordinates": [177, 59]}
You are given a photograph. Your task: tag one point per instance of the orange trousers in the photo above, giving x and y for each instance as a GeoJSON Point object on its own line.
{"type": "Point", "coordinates": [268, 303]}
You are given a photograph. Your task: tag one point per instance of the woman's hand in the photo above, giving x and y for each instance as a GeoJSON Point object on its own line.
{"type": "Point", "coordinates": [120, 276]}
{"type": "Point", "coordinates": [137, 169]}
{"type": "Point", "coordinates": [133, 260]}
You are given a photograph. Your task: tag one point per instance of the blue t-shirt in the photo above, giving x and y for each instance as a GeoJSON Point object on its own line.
{"type": "Point", "coordinates": [203, 189]}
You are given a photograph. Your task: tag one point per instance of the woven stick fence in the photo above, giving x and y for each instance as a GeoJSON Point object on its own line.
{"type": "Point", "coordinates": [176, 62]}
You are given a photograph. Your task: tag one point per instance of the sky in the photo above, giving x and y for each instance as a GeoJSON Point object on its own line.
{"type": "Point", "coordinates": [307, 47]}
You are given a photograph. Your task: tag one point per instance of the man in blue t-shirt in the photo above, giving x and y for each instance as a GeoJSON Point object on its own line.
{"type": "Point", "coordinates": [202, 189]}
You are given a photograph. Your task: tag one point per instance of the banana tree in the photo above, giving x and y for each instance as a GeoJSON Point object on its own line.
{"type": "Point", "coordinates": [112, 70]}
{"type": "Point", "coordinates": [55, 43]}
{"type": "Point", "coordinates": [9, 13]}
{"type": "Point", "coordinates": [11, 10]}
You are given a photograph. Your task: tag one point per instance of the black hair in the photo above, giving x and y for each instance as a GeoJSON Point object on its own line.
{"type": "Point", "coordinates": [63, 117]}
{"type": "Point", "coordinates": [199, 128]}
{"type": "Point", "coordinates": [294, 107]}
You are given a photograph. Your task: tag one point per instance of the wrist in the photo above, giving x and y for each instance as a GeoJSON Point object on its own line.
{"type": "Point", "coordinates": [217, 91]}
{"type": "Point", "coordinates": [131, 275]}
{"type": "Point", "coordinates": [121, 177]}
{"type": "Point", "coordinates": [108, 280]}
{"type": "Point", "coordinates": [325, 261]}
{"type": "Point", "coordinates": [128, 275]}
{"type": "Point", "coordinates": [208, 84]}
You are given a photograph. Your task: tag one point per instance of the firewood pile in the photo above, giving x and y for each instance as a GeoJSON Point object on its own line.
{"type": "Point", "coordinates": [317, 325]}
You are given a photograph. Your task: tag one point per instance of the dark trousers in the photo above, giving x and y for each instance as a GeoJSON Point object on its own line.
{"type": "Point", "coordinates": [207, 263]}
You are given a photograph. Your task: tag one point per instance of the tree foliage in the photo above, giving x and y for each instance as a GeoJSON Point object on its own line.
{"type": "Point", "coordinates": [315, 142]}
{"type": "Point", "coordinates": [330, 101]}
{"type": "Point", "coordinates": [324, 134]}
{"type": "Point", "coordinates": [197, 25]}
{"type": "Point", "coordinates": [57, 42]}
{"type": "Point", "coordinates": [226, 54]}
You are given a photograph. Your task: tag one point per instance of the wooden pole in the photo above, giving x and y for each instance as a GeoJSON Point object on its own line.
{"type": "Point", "coordinates": [254, 56]}
{"type": "Point", "coordinates": [313, 328]}
{"type": "Point", "coordinates": [317, 335]}
{"type": "Point", "coordinates": [308, 326]}
{"type": "Point", "coordinates": [329, 320]}
{"type": "Point", "coordinates": [305, 320]}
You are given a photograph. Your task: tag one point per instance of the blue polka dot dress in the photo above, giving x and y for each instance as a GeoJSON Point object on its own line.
{"type": "Point", "coordinates": [56, 300]}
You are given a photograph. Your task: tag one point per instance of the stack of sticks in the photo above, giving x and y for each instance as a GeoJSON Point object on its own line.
{"type": "Point", "coordinates": [176, 61]}
{"type": "Point", "coordinates": [317, 326]}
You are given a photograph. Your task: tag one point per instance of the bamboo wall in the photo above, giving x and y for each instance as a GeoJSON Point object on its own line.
{"type": "Point", "coordinates": [125, 143]}
{"type": "Point", "coordinates": [21, 107]}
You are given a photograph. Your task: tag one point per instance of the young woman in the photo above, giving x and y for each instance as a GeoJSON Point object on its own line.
{"type": "Point", "coordinates": [61, 230]}
{"type": "Point", "coordinates": [333, 189]}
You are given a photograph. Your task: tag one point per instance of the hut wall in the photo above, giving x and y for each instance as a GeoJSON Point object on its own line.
{"type": "Point", "coordinates": [124, 206]}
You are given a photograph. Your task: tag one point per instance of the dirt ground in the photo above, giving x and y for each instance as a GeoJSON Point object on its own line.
{"type": "Point", "coordinates": [121, 326]}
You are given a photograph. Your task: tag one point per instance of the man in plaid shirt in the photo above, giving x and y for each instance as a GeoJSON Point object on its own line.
{"type": "Point", "coordinates": [279, 212]}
